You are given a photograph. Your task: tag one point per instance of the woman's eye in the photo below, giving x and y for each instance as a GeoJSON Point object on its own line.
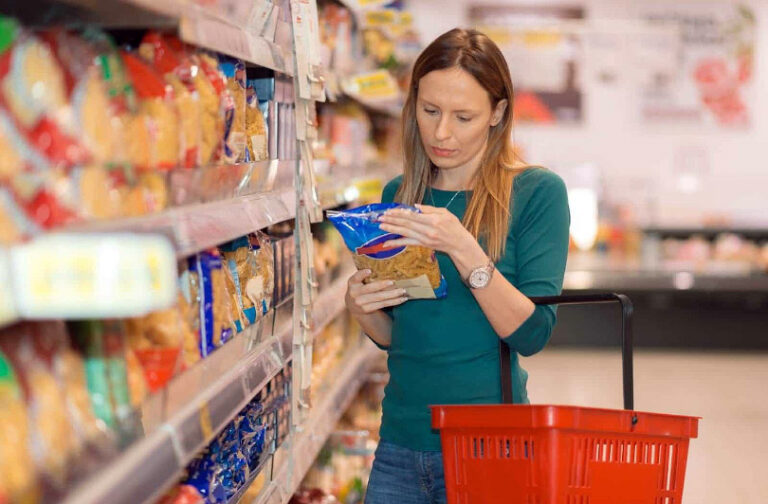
{"type": "Point", "coordinates": [430, 111]}
{"type": "Point", "coordinates": [464, 119]}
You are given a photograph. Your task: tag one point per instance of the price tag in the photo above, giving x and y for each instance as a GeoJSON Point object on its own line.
{"type": "Point", "coordinates": [7, 310]}
{"type": "Point", "coordinates": [374, 85]}
{"type": "Point", "coordinates": [93, 275]}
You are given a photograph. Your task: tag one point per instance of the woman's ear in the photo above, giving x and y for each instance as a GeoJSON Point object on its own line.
{"type": "Point", "coordinates": [498, 112]}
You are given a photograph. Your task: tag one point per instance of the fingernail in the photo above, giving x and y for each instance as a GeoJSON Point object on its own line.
{"type": "Point", "coordinates": [390, 282]}
{"type": "Point", "coordinates": [367, 271]}
{"type": "Point", "coordinates": [402, 291]}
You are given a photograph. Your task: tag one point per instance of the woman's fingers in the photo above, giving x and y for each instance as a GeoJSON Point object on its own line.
{"type": "Point", "coordinates": [403, 242]}
{"type": "Point", "coordinates": [367, 299]}
{"type": "Point", "coordinates": [359, 276]}
{"type": "Point", "coordinates": [376, 286]}
{"type": "Point", "coordinates": [384, 304]}
{"type": "Point", "coordinates": [405, 231]}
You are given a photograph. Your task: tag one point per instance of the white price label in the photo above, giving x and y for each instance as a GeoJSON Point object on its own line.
{"type": "Point", "coordinates": [93, 276]}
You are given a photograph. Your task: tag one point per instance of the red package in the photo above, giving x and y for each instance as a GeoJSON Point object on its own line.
{"type": "Point", "coordinates": [178, 73]}
{"type": "Point", "coordinates": [182, 494]}
{"type": "Point", "coordinates": [33, 90]}
{"type": "Point", "coordinates": [157, 110]}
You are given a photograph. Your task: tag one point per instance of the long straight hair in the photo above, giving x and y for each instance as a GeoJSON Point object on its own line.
{"type": "Point", "coordinates": [488, 211]}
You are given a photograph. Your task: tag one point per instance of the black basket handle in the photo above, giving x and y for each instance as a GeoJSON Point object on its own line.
{"type": "Point", "coordinates": [626, 341]}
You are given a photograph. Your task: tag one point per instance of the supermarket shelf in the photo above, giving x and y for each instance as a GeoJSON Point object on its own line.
{"type": "Point", "coordinates": [330, 303]}
{"type": "Point", "coordinates": [193, 228]}
{"type": "Point", "coordinates": [231, 33]}
{"type": "Point", "coordinates": [293, 463]}
{"type": "Point", "coordinates": [198, 404]}
{"type": "Point", "coordinates": [678, 281]}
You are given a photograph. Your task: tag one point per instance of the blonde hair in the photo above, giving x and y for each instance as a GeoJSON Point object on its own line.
{"type": "Point", "coordinates": [488, 210]}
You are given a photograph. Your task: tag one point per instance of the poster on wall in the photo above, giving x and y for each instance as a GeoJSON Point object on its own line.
{"type": "Point", "coordinates": [543, 58]}
{"type": "Point", "coordinates": [713, 81]}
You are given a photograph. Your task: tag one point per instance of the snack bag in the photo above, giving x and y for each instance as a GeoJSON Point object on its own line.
{"type": "Point", "coordinates": [235, 133]}
{"type": "Point", "coordinates": [158, 113]}
{"type": "Point", "coordinates": [17, 472]}
{"type": "Point", "coordinates": [178, 72]}
{"type": "Point", "coordinates": [413, 268]}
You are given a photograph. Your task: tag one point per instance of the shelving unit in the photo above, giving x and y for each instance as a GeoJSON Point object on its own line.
{"type": "Point", "coordinates": [194, 407]}
{"type": "Point", "coordinates": [294, 460]}
{"type": "Point", "coordinates": [207, 206]}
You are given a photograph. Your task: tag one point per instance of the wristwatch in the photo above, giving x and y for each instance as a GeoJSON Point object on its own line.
{"type": "Point", "coordinates": [480, 277]}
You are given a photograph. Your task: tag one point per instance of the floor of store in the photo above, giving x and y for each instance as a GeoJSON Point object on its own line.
{"type": "Point", "coordinates": [727, 462]}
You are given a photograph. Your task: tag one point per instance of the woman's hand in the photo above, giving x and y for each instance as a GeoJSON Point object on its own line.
{"type": "Point", "coordinates": [364, 299]}
{"type": "Point", "coordinates": [438, 229]}
{"type": "Point", "coordinates": [435, 228]}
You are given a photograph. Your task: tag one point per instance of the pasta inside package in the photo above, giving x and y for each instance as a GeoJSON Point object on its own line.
{"type": "Point", "coordinates": [412, 268]}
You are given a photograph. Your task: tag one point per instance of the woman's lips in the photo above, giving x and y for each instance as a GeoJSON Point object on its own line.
{"type": "Point", "coordinates": [443, 152]}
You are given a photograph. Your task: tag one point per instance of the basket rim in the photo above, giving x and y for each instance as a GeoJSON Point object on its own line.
{"type": "Point", "coordinates": [562, 417]}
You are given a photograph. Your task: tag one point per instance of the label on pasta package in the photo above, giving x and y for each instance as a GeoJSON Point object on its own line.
{"type": "Point", "coordinates": [413, 268]}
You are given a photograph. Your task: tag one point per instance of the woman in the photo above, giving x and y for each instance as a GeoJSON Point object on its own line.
{"type": "Point", "coordinates": [500, 230]}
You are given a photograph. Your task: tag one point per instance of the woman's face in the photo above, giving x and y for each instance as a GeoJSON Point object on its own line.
{"type": "Point", "coordinates": [454, 114]}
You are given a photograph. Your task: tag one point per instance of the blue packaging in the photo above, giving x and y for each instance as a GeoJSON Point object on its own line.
{"type": "Point", "coordinates": [413, 268]}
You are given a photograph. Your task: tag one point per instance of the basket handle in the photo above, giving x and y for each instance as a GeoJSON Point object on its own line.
{"type": "Point", "coordinates": [626, 340]}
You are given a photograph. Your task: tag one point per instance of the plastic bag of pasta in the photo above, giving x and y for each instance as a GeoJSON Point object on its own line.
{"type": "Point", "coordinates": [413, 268]}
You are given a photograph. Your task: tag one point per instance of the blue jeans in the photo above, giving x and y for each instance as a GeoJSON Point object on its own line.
{"type": "Point", "coordinates": [403, 476]}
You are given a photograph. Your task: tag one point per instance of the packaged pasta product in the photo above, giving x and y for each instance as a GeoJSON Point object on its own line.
{"type": "Point", "coordinates": [241, 264]}
{"type": "Point", "coordinates": [261, 288]}
{"type": "Point", "coordinates": [216, 122]}
{"type": "Point", "coordinates": [33, 90]}
{"type": "Point", "coordinates": [17, 472]}
{"type": "Point", "coordinates": [189, 309]}
{"type": "Point", "coordinates": [102, 346]}
{"type": "Point", "coordinates": [158, 113]}
{"type": "Point", "coordinates": [177, 72]}
{"type": "Point", "coordinates": [216, 324]}
{"type": "Point", "coordinates": [157, 340]}
{"type": "Point", "coordinates": [53, 444]}
{"type": "Point", "coordinates": [87, 93]}
{"type": "Point", "coordinates": [413, 268]}
{"type": "Point", "coordinates": [255, 125]}
{"type": "Point", "coordinates": [235, 134]}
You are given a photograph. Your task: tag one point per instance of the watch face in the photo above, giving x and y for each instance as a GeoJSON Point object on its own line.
{"type": "Point", "coordinates": [479, 279]}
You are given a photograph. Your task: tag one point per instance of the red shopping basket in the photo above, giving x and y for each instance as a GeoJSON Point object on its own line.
{"type": "Point", "coordinates": [539, 454]}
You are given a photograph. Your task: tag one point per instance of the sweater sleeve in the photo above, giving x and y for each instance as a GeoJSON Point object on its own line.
{"type": "Point", "coordinates": [541, 234]}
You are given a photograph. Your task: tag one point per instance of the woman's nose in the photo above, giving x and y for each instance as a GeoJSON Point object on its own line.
{"type": "Point", "coordinates": [443, 131]}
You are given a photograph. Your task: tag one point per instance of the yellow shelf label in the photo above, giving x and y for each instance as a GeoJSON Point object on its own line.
{"type": "Point", "coordinates": [93, 275]}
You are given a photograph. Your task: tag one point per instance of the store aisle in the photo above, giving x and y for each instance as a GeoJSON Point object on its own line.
{"type": "Point", "coordinates": [727, 462]}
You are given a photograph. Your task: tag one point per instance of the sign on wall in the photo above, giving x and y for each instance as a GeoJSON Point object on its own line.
{"type": "Point", "coordinates": [543, 57]}
{"type": "Point", "coordinates": [713, 81]}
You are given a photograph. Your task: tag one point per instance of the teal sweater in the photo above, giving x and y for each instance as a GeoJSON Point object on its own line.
{"type": "Point", "coordinates": [445, 351]}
